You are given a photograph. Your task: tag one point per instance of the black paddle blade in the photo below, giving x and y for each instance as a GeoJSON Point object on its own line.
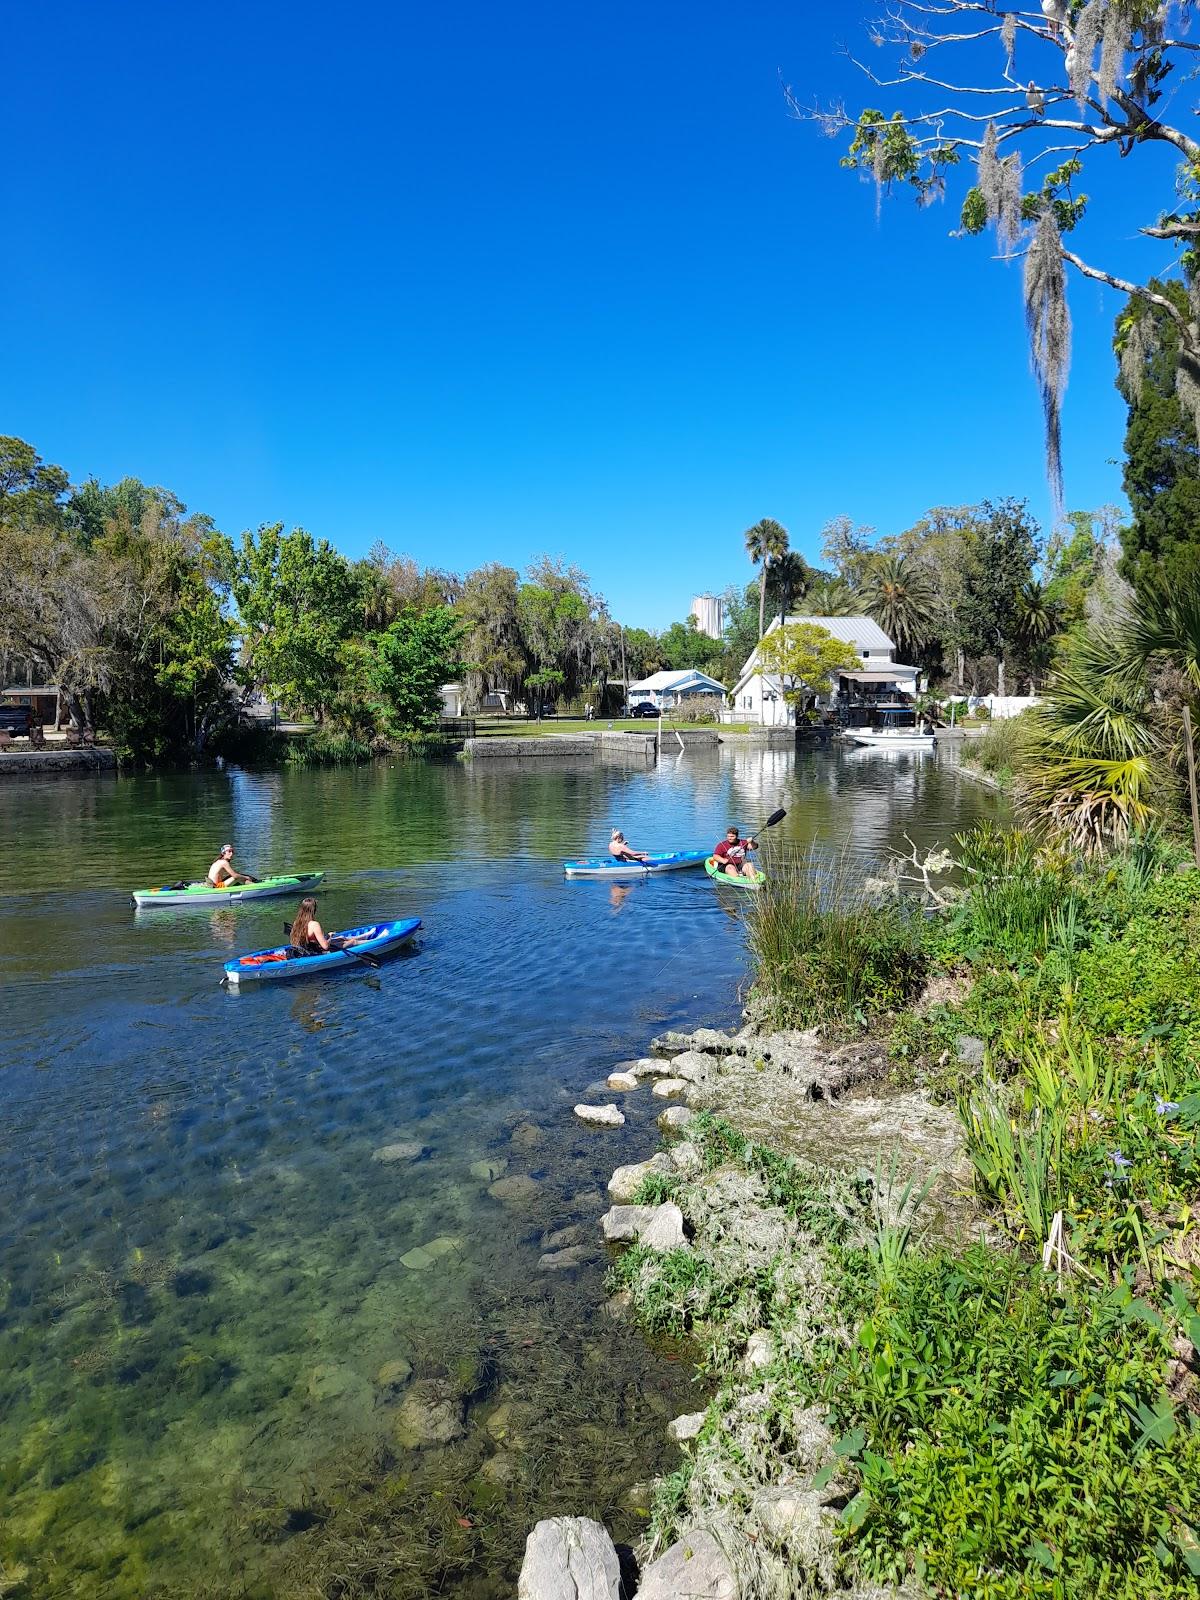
{"type": "Point", "coordinates": [776, 816]}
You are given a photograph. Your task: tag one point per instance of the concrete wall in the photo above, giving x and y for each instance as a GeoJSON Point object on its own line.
{"type": "Point", "coordinates": [47, 763]}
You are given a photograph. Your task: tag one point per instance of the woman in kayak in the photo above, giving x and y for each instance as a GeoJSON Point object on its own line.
{"type": "Point", "coordinates": [620, 851]}
{"type": "Point", "coordinates": [309, 937]}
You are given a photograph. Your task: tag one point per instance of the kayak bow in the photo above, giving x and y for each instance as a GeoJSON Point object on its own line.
{"type": "Point", "coordinates": [736, 881]}
{"type": "Point", "coordinates": [264, 965]}
{"type": "Point", "coordinates": [203, 894]}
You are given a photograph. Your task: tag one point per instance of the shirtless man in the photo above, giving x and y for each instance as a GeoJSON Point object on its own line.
{"type": "Point", "coordinates": [221, 875]}
{"type": "Point", "coordinates": [619, 849]}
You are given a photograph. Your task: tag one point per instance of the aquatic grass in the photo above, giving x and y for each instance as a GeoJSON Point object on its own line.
{"type": "Point", "coordinates": [826, 950]}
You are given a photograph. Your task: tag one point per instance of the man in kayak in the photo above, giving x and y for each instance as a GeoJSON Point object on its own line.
{"type": "Point", "coordinates": [732, 855]}
{"type": "Point", "coordinates": [222, 874]}
{"type": "Point", "coordinates": [619, 850]}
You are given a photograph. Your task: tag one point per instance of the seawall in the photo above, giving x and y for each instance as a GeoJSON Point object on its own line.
{"type": "Point", "coordinates": [55, 763]}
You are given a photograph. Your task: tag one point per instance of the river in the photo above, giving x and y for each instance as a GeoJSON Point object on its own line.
{"type": "Point", "coordinates": [205, 1319]}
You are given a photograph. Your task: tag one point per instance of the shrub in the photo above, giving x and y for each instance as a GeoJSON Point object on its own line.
{"type": "Point", "coordinates": [826, 951]}
{"type": "Point", "coordinates": [1000, 749]}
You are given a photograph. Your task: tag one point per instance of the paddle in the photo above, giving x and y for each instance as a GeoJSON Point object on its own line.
{"type": "Point", "coordinates": [367, 961]}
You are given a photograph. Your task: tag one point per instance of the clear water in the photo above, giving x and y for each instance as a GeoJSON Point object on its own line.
{"type": "Point", "coordinates": [201, 1270]}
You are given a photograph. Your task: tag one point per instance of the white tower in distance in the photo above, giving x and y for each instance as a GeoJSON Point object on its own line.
{"type": "Point", "coordinates": [707, 610]}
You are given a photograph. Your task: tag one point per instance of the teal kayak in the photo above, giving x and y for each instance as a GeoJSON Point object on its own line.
{"type": "Point", "coordinates": [203, 894]}
{"type": "Point", "coordinates": [607, 867]}
{"type": "Point", "coordinates": [735, 880]}
{"type": "Point", "coordinates": [262, 966]}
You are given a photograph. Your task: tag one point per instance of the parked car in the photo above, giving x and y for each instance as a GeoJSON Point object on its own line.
{"type": "Point", "coordinates": [644, 708]}
{"type": "Point", "coordinates": [16, 721]}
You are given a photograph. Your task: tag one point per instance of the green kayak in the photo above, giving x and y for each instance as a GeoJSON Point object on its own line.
{"type": "Point", "coordinates": [203, 894]}
{"type": "Point", "coordinates": [735, 881]}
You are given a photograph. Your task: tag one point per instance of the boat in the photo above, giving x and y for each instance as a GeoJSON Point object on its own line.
{"type": "Point", "coordinates": [735, 880]}
{"type": "Point", "coordinates": [203, 894]}
{"type": "Point", "coordinates": [894, 734]}
{"type": "Point", "coordinates": [262, 966]}
{"type": "Point", "coordinates": [607, 867]}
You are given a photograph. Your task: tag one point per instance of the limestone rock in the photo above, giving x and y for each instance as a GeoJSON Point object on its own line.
{"type": "Point", "coordinates": [405, 1150]}
{"type": "Point", "coordinates": [526, 1134]}
{"type": "Point", "coordinates": [796, 1516]}
{"type": "Point", "coordinates": [394, 1374]}
{"type": "Point", "coordinates": [674, 1118]}
{"type": "Point", "coordinates": [569, 1558]}
{"type": "Point", "coordinates": [329, 1381]}
{"type": "Point", "coordinates": [666, 1087]}
{"type": "Point", "coordinates": [625, 1222]}
{"type": "Point", "coordinates": [664, 1231]}
{"type": "Point", "coordinates": [432, 1412]}
{"type": "Point", "coordinates": [693, 1067]}
{"type": "Point", "coordinates": [500, 1468]}
{"type": "Point", "coordinates": [686, 1158]}
{"type": "Point", "coordinates": [518, 1190]}
{"type": "Point", "coordinates": [622, 1080]}
{"type": "Point", "coordinates": [617, 1305]}
{"type": "Point", "coordinates": [970, 1051]}
{"type": "Point", "coordinates": [695, 1566]}
{"type": "Point", "coordinates": [601, 1116]}
{"type": "Point", "coordinates": [626, 1181]}
{"type": "Point", "coordinates": [488, 1171]}
{"type": "Point", "coordinates": [562, 1237]}
{"type": "Point", "coordinates": [760, 1351]}
{"type": "Point", "coordinates": [562, 1260]}
{"type": "Point", "coordinates": [686, 1427]}
{"type": "Point", "coordinates": [424, 1255]}
{"type": "Point", "coordinates": [644, 1067]}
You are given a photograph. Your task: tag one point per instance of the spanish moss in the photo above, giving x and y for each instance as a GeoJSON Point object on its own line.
{"type": "Point", "coordinates": [1048, 322]}
{"type": "Point", "coordinates": [1008, 38]}
{"type": "Point", "coordinates": [1089, 30]}
{"type": "Point", "coordinates": [1112, 51]}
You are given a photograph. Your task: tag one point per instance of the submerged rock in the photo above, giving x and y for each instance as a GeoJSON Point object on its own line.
{"type": "Point", "coordinates": [515, 1191]}
{"type": "Point", "coordinates": [405, 1150]}
{"type": "Point", "coordinates": [624, 1222]}
{"type": "Point", "coordinates": [675, 1117]}
{"type": "Point", "coordinates": [394, 1374]}
{"type": "Point", "coordinates": [694, 1566]}
{"type": "Point", "coordinates": [664, 1231]}
{"type": "Point", "coordinates": [526, 1134]}
{"type": "Point", "coordinates": [601, 1116]}
{"type": "Point", "coordinates": [561, 1237]}
{"type": "Point", "coordinates": [329, 1381]}
{"type": "Point", "coordinates": [666, 1087]}
{"type": "Point", "coordinates": [569, 1558]}
{"type": "Point", "coordinates": [622, 1080]}
{"type": "Point", "coordinates": [500, 1468]}
{"type": "Point", "coordinates": [432, 1412]}
{"type": "Point", "coordinates": [561, 1260]}
{"type": "Point", "coordinates": [425, 1255]}
{"type": "Point", "coordinates": [626, 1181]}
{"type": "Point", "coordinates": [686, 1427]}
{"type": "Point", "coordinates": [489, 1170]}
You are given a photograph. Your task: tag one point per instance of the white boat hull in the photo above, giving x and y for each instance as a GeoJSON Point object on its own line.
{"type": "Point", "coordinates": [875, 739]}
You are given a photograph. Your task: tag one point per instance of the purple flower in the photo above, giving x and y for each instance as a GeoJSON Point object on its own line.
{"type": "Point", "coordinates": [1165, 1108]}
{"type": "Point", "coordinates": [1122, 1163]}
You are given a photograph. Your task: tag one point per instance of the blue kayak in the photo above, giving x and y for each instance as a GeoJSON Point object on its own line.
{"type": "Point", "coordinates": [270, 965]}
{"type": "Point", "coordinates": [606, 867]}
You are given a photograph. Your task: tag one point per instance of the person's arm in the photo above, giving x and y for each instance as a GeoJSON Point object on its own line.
{"type": "Point", "coordinates": [317, 934]}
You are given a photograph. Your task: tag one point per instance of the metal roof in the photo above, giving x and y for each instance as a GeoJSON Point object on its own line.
{"type": "Point", "coordinates": [859, 675]}
{"type": "Point", "coordinates": [673, 680]}
{"type": "Point", "coordinates": [862, 631]}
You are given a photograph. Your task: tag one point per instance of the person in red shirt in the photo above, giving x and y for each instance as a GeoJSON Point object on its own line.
{"type": "Point", "coordinates": [732, 853]}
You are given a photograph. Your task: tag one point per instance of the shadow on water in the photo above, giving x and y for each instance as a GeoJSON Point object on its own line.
{"type": "Point", "coordinates": [301, 1291]}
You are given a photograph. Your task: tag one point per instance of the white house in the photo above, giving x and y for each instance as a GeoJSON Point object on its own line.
{"type": "Point", "coordinates": [667, 689]}
{"type": "Point", "coordinates": [758, 696]}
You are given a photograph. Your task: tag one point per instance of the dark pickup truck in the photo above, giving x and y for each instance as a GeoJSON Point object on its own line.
{"type": "Point", "coordinates": [16, 721]}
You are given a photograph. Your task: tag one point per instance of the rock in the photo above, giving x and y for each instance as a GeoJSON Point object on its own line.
{"type": "Point", "coordinates": [561, 1237]}
{"type": "Point", "coordinates": [617, 1305]}
{"type": "Point", "coordinates": [569, 1558]}
{"type": "Point", "coordinates": [489, 1171]}
{"type": "Point", "coordinates": [587, 1200]}
{"type": "Point", "coordinates": [625, 1222]}
{"type": "Point", "coordinates": [639, 1497]}
{"type": "Point", "coordinates": [394, 1374]}
{"type": "Point", "coordinates": [518, 1190]}
{"type": "Point", "coordinates": [330, 1381]}
{"type": "Point", "coordinates": [561, 1260]}
{"type": "Point", "coordinates": [970, 1051]}
{"type": "Point", "coordinates": [675, 1117]}
{"type": "Point", "coordinates": [622, 1080]}
{"type": "Point", "coordinates": [432, 1412]}
{"type": "Point", "coordinates": [526, 1134]}
{"type": "Point", "coordinates": [644, 1067]}
{"type": "Point", "coordinates": [695, 1566]}
{"type": "Point", "coordinates": [601, 1116]}
{"type": "Point", "coordinates": [501, 1468]}
{"type": "Point", "coordinates": [693, 1067]}
{"type": "Point", "coordinates": [406, 1150]}
{"type": "Point", "coordinates": [796, 1516]}
{"type": "Point", "coordinates": [686, 1427]}
{"type": "Point", "coordinates": [672, 1043]}
{"type": "Point", "coordinates": [626, 1181]}
{"type": "Point", "coordinates": [666, 1087]}
{"type": "Point", "coordinates": [686, 1158]}
{"type": "Point", "coordinates": [664, 1231]}
{"type": "Point", "coordinates": [505, 1423]}
{"type": "Point", "coordinates": [760, 1351]}
{"type": "Point", "coordinates": [425, 1255]}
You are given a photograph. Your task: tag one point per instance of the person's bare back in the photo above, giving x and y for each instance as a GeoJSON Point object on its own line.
{"type": "Point", "coordinates": [222, 872]}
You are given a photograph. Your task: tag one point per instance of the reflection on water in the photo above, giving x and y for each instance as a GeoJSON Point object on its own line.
{"type": "Point", "coordinates": [254, 1243]}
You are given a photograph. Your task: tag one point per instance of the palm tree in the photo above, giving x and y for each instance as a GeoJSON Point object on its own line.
{"type": "Point", "coordinates": [765, 541]}
{"type": "Point", "coordinates": [831, 597]}
{"type": "Point", "coordinates": [1037, 616]}
{"type": "Point", "coordinates": [899, 596]}
{"type": "Point", "coordinates": [790, 575]}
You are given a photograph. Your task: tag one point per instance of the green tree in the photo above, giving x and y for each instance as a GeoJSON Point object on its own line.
{"type": "Point", "coordinates": [898, 595]}
{"type": "Point", "coordinates": [298, 604]}
{"type": "Point", "coordinates": [1162, 461]}
{"type": "Point", "coordinates": [494, 651]}
{"type": "Point", "coordinates": [831, 597]}
{"type": "Point", "coordinates": [1002, 554]}
{"type": "Point", "coordinates": [766, 541]}
{"type": "Point", "coordinates": [31, 490]}
{"type": "Point", "coordinates": [804, 657]}
{"type": "Point", "coordinates": [788, 579]}
{"type": "Point", "coordinates": [409, 662]}
{"type": "Point", "coordinates": [683, 646]}
{"type": "Point", "coordinates": [847, 546]}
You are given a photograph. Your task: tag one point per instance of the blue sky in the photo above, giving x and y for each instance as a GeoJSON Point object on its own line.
{"type": "Point", "coordinates": [485, 282]}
